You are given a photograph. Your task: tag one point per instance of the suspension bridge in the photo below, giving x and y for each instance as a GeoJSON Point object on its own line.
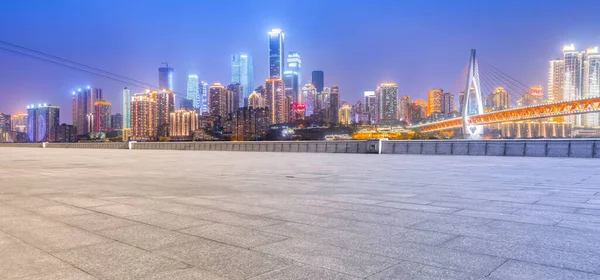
{"type": "Point", "coordinates": [474, 117]}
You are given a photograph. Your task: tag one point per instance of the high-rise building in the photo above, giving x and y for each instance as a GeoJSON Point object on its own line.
{"type": "Point", "coordinates": [144, 117]}
{"type": "Point", "coordinates": [434, 101]}
{"type": "Point", "coordinates": [591, 83]}
{"type": "Point", "coordinates": [387, 103]}
{"type": "Point", "coordinates": [344, 117]}
{"type": "Point", "coordinates": [165, 105]}
{"type": "Point", "coordinates": [4, 122]}
{"type": "Point", "coordinates": [165, 77]}
{"type": "Point", "coordinates": [101, 116]}
{"type": "Point", "coordinates": [183, 123]}
{"type": "Point", "coordinates": [204, 97]}
{"type": "Point", "coordinates": [255, 101]}
{"type": "Point", "coordinates": [308, 98]}
{"type": "Point", "coordinates": [573, 83]}
{"type": "Point", "coordinates": [318, 80]}
{"type": "Point", "coordinates": [237, 93]}
{"type": "Point", "coordinates": [220, 101]}
{"type": "Point", "coordinates": [66, 133]}
{"type": "Point", "coordinates": [334, 104]}
{"type": "Point", "coordinates": [193, 91]}
{"type": "Point", "coordinates": [404, 108]}
{"type": "Point", "coordinates": [556, 80]}
{"type": "Point", "coordinates": [18, 122]}
{"type": "Point", "coordinates": [499, 99]}
{"type": "Point", "coordinates": [294, 64]}
{"type": "Point", "coordinates": [116, 121]}
{"type": "Point", "coordinates": [535, 96]}
{"type": "Point", "coordinates": [126, 109]}
{"type": "Point", "coordinates": [370, 106]}
{"type": "Point", "coordinates": [290, 80]}
{"type": "Point", "coordinates": [447, 103]}
{"type": "Point", "coordinates": [275, 100]}
{"type": "Point", "coordinates": [83, 108]}
{"type": "Point", "coordinates": [276, 58]}
{"type": "Point", "coordinates": [249, 124]}
{"type": "Point", "coordinates": [42, 122]}
{"type": "Point", "coordinates": [242, 72]}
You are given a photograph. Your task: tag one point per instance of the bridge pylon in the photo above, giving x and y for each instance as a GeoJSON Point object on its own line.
{"type": "Point", "coordinates": [472, 103]}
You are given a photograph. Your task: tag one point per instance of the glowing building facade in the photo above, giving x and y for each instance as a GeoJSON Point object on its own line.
{"type": "Point", "coordinates": [276, 54]}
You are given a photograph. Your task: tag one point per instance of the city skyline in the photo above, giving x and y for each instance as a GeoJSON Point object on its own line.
{"type": "Point", "coordinates": [411, 76]}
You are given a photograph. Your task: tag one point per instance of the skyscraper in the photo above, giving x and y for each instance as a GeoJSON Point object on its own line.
{"type": "Point", "coordinates": [42, 122]}
{"type": "Point", "coordinates": [370, 106]}
{"type": "Point", "coordinates": [591, 82]}
{"type": "Point", "coordinates": [387, 103]}
{"type": "Point", "coordinates": [294, 63]}
{"type": "Point", "coordinates": [434, 101]}
{"type": "Point", "coordinates": [290, 81]}
{"type": "Point", "coordinates": [344, 115]}
{"type": "Point", "coordinates": [144, 116]}
{"type": "Point", "coordinates": [193, 91]}
{"type": "Point", "coordinates": [573, 83]}
{"type": "Point", "coordinates": [18, 122]}
{"type": "Point", "coordinates": [204, 97]}
{"type": "Point", "coordinates": [242, 72]}
{"type": "Point", "coordinates": [556, 80]}
{"type": "Point", "coordinates": [276, 58]}
{"type": "Point", "coordinates": [101, 116]}
{"type": "Point", "coordinates": [334, 104]}
{"type": "Point", "coordinates": [83, 108]}
{"type": "Point", "coordinates": [308, 98]}
{"type": "Point", "coordinates": [126, 108]}
{"type": "Point", "coordinates": [220, 100]}
{"type": "Point", "coordinates": [165, 77]}
{"type": "Point", "coordinates": [275, 100]}
{"type": "Point", "coordinates": [237, 93]}
{"type": "Point", "coordinates": [255, 101]}
{"type": "Point", "coordinates": [499, 99]}
{"type": "Point", "coordinates": [318, 80]}
{"type": "Point", "coordinates": [4, 122]}
{"type": "Point", "coordinates": [404, 108]}
{"type": "Point", "coordinates": [447, 103]}
{"type": "Point", "coordinates": [116, 121]}
{"type": "Point", "coordinates": [165, 105]}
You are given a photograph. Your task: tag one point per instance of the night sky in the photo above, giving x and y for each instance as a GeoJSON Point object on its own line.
{"type": "Point", "coordinates": [358, 44]}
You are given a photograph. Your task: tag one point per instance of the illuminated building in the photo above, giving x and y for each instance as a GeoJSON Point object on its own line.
{"type": "Point", "coordinates": [556, 80]}
{"type": "Point", "coordinates": [318, 80]}
{"type": "Point", "coordinates": [4, 122]}
{"type": "Point", "coordinates": [183, 123]}
{"type": "Point", "coordinates": [499, 99]}
{"type": "Point", "coordinates": [237, 96]}
{"type": "Point", "coordinates": [165, 77]}
{"type": "Point", "coordinates": [294, 64]}
{"type": "Point", "coordinates": [193, 92]}
{"type": "Point", "coordinates": [434, 101]}
{"type": "Point", "coordinates": [573, 86]}
{"type": "Point", "coordinates": [323, 100]}
{"type": "Point", "coordinates": [344, 115]}
{"type": "Point", "coordinates": [144, 117]}
{"type": "Point", "coordinates": [290, 80]}
{"type": "Point", "coordinates": [220, 99]}
{"type": "Point", "coordinates": [298, 112]}
{"type": "Point", "coordinates": [18, 122]}
{"type": "Point", "coordinates": [370, 106]}
{"type": "Point", "coordinates": [591, 82]}
{"type": "Point", "coordinates": [276, 59]}
{"type": "Point", "coordinates": [249, 124]}
{"type": "Point", "coordinates": [255, 101]}
{"type": "Point", "coordinates": [387, 103]}
{"type": "Point", "coordinates": [356, 112]}
{"type": "Point", "coordinates": [116, 121]}
{"type": "Point", "coordinates": [83, 108]}
{"type": "Point", "coordinates": [242, 72]}
{"type": "Point", "coordinates": [66, 133]}
{"type": "Point", "coordinates": [418, 112]}
{"type": "Point", "coordinates": [42, 121]}
{"type": "Point", "coordinates": [447, 103]}
{"type": "Point", "coordinates": [101, 116]}
{"type": "Point", "coordinates": [275, 100]}
{"type": "Point", "coordinates": [165, 105]}
{"type": "Point", "coordinates": [308, 98]}
{"type": "Point", "coordinates": [334, 104]}
{"type": "Point", "coordinates": [203, 98]}
{"type": "Point", "coordinates": [126, 123]}
{"type": "Point", "coordinates": [534, 97]}
{"type": "Point", "coordinates": [404, 108]}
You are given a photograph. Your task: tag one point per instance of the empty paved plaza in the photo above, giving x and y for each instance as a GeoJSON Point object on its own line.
{"type": "Point", "coordinates": [144, 214]}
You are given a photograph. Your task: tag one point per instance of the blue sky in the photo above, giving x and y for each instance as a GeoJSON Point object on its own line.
{"type": "Point", "coordinates": [358, 44]}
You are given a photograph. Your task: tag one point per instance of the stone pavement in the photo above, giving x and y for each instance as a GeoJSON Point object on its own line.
{"type": "Point", "coordinates": [120, 214]}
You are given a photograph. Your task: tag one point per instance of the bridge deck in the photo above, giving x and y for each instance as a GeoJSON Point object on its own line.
{"type": "Point", "coordinates": [120, 214]}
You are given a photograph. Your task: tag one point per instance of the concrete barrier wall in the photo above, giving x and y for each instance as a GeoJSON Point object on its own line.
{"type": "Point", "coordinates": [580, 148]}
